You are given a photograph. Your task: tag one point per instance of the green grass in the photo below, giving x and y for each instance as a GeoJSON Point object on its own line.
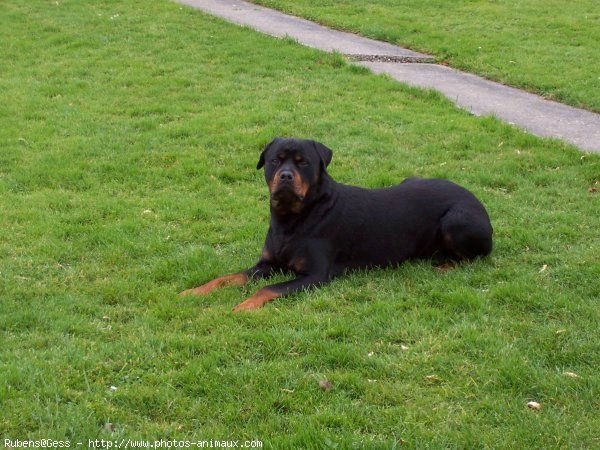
{"type": "Point", "coordinates": [129, 135]}
{"type": "Point", "coordinates": [551, 47]}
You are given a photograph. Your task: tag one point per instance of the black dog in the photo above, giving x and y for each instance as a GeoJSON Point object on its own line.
{"type": "Point", "coordinates": [319, 228]}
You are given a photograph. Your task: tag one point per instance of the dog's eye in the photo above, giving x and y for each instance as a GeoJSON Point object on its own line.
{"type": "Point", "coordinates": [275, 162]}
{"type": "Point", "coordinates": [303, 163]}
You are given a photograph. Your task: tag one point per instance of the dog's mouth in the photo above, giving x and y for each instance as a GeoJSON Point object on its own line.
{"type": "Point", "coordinates": [288, 188]}
{"type": "Point", "coordinates": [286, 194]}
{"type": "Point", "coordinates": [286, 198]}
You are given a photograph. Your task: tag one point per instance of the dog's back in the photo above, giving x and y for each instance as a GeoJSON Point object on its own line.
{"type": "Point", "coordinates": [379, 227]}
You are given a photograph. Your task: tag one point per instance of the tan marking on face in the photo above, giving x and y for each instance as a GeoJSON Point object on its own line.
{"type": "Point", "coordinates": [300, 185]}
{"type": "Point", "coordinates": [237, 279]}
{"type": "Point", "coordinates": [273, 182]}
{"type": "Point", "coordinates": [258, 300]}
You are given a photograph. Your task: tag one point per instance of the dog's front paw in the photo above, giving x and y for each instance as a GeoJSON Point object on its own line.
{"type": "Point", "coordinates": [258, 300]}
{"type": "Point", "coordinates": [237, 279]}
{"type": "Point", "coordinates": [247, 305]}
{"type": "Point", "coordinates": [201, 290]}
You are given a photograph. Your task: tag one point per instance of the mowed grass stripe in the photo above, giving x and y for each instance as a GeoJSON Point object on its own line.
{"type": "Point", "coordinates": [547, 47]}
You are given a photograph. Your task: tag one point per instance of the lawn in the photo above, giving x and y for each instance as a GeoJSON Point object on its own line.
{"type": "Point", "coordinates": [129, 136]}
{"type": "Point", "coordinates": [551, 47]}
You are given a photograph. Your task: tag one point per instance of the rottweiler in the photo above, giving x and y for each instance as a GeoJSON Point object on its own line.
{"type": "Point", "coordinates": [320, 229]}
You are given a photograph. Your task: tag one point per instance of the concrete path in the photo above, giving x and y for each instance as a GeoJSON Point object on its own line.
{"type": "Point", "coordinates": [480, 96]}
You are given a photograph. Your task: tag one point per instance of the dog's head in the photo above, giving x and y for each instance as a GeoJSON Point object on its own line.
{"type": "Point", "coordinates": [294, 169]}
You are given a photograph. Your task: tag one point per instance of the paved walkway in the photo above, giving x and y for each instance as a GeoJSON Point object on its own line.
{"type": "Point", "coordinates": [480, 96]}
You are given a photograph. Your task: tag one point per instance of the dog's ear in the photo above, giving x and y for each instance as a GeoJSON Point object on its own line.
{"type": "Point", "coordinates": [324, 152]}
{"type": "Point", "coordinates": [261, 159]}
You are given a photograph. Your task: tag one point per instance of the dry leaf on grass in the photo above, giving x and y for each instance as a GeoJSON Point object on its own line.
{"type": "Point", "coordinates": [325, 385]}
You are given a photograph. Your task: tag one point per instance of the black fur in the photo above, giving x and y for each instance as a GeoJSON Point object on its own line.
{"type": "Point", "coordinates": [335, 227]}
{"type": "Point", "coordinates": [320, 228]}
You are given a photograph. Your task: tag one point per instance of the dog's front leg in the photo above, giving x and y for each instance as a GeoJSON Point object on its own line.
{"type": "Point", "coordinates": [274, 291]}
{"type": "Point", "coordinates": [262, 269]}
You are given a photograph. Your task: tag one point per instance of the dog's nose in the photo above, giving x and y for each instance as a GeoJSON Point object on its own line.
{"type": "Point", "coordinates": [286, 175]}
